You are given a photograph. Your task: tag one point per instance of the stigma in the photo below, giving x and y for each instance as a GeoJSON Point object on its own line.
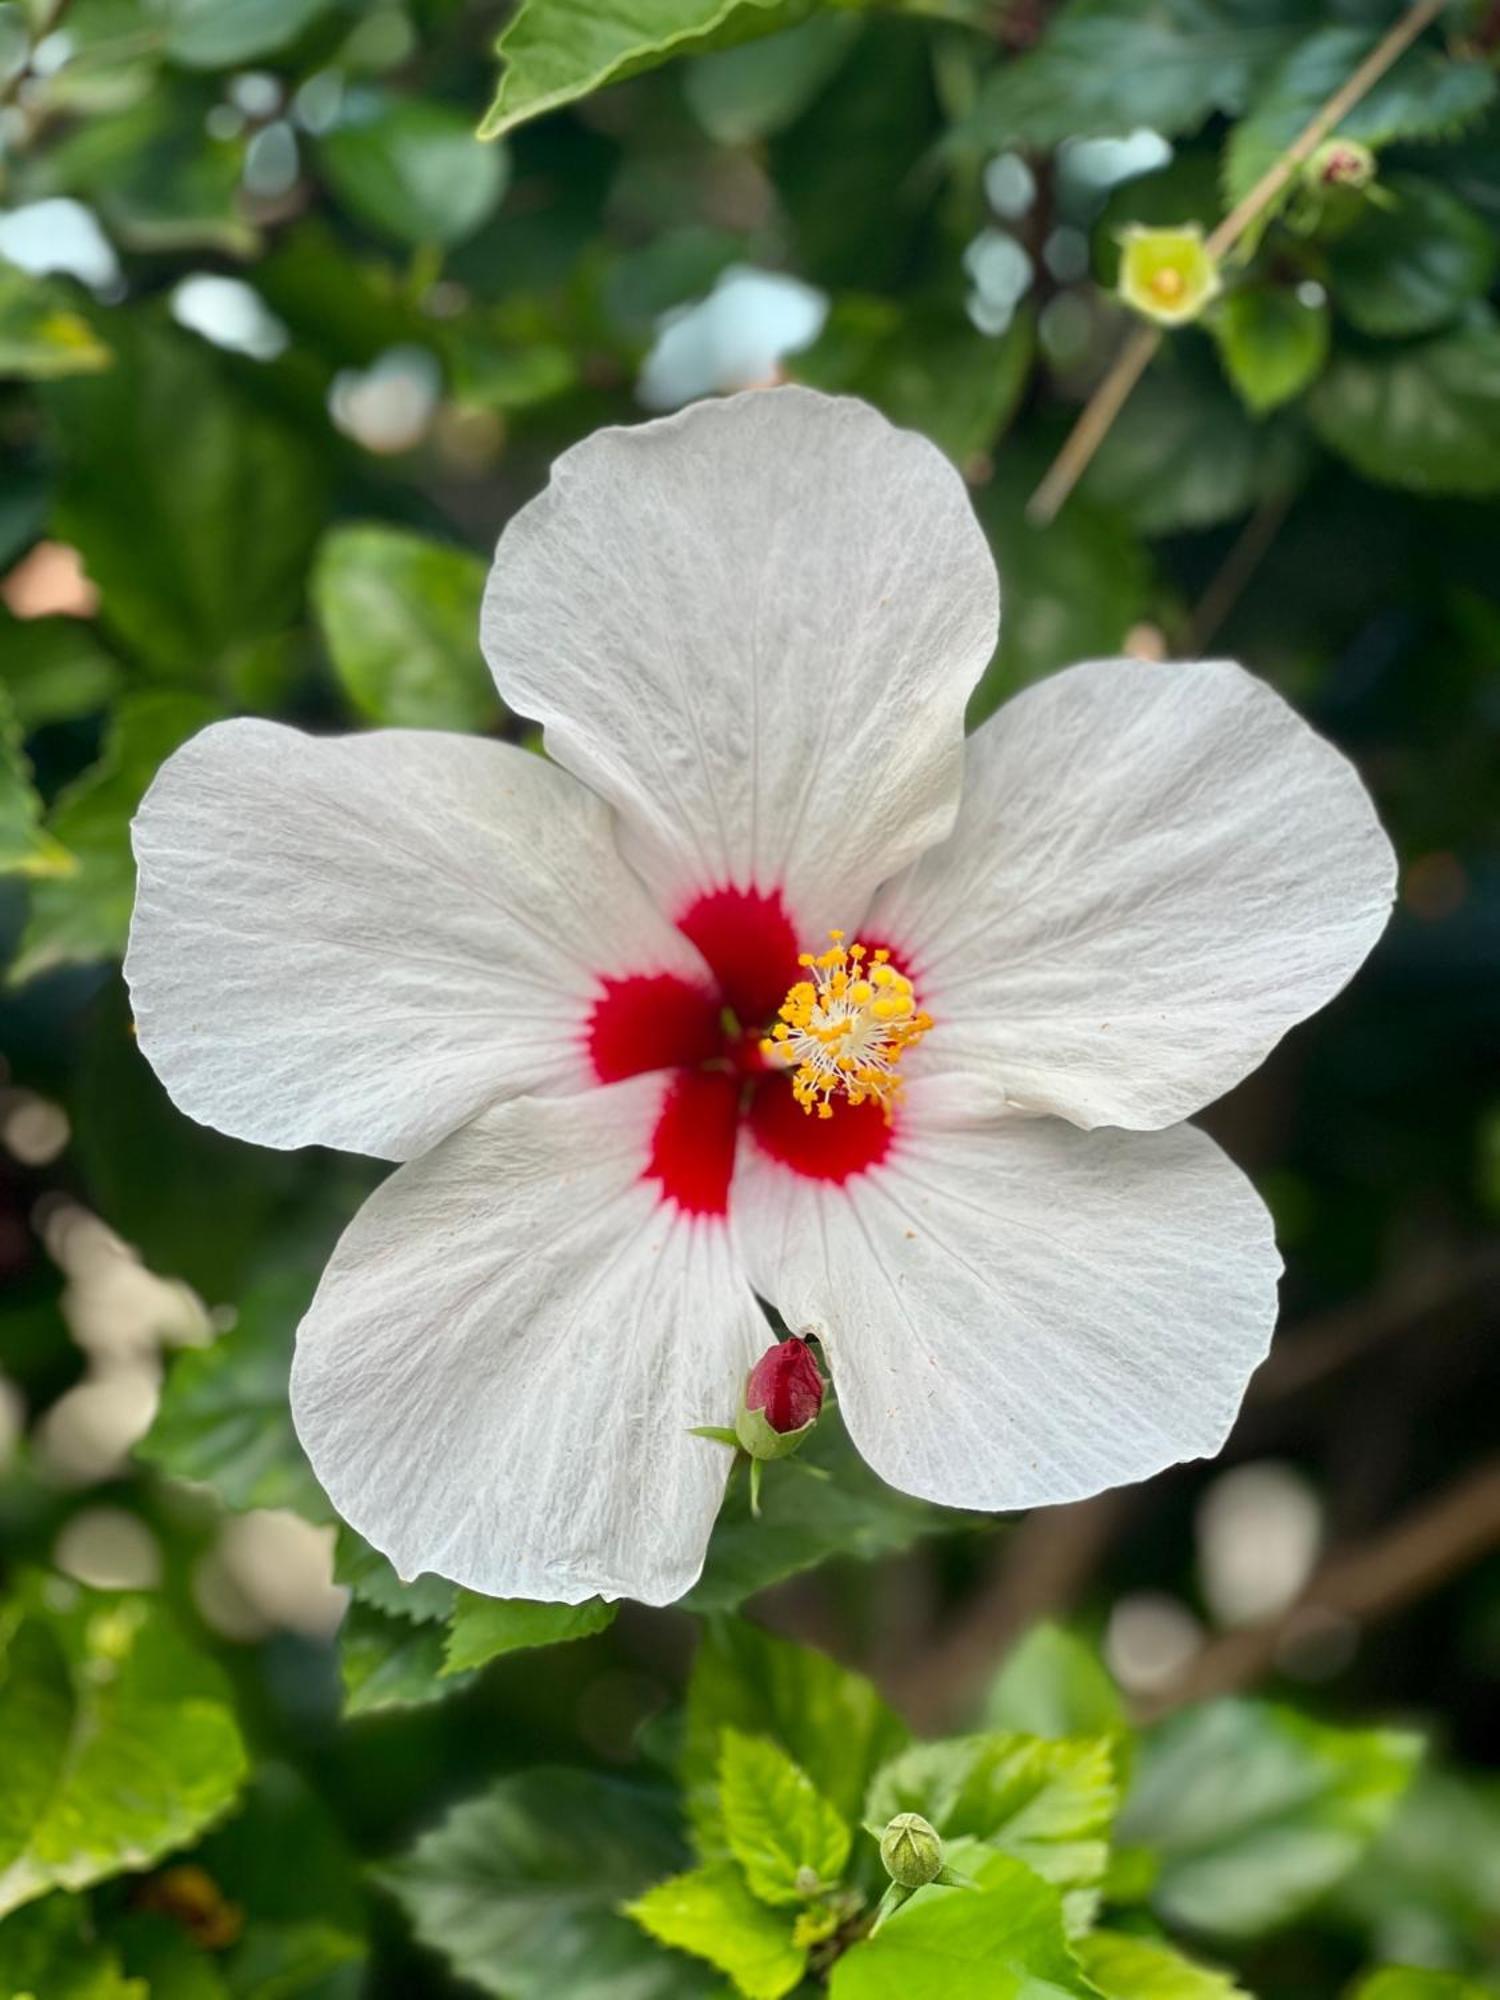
{"type": "Point", "coordinates": [843, 1030]}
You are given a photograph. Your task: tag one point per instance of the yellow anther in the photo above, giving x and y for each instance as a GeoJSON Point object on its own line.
{"type": "Point", "coordinates": [843, 1033]}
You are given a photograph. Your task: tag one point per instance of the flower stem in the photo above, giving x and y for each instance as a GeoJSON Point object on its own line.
{"type": "Point", "coordinates": [1135, 356]}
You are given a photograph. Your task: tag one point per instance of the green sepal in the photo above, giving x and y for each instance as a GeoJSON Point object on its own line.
{"type": "Point", "coordinates": [719, 1433]}
{"type": "Point", "coordinates": [754, 1435]}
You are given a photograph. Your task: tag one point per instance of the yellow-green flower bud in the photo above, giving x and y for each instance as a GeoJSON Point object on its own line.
{"type": "Point", "coordinates": [911, 1851]}
{"type": "Point", "coordinates": [1167, 274]}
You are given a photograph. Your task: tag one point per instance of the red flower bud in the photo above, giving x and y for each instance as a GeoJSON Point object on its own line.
{"type": "Point", "coordinates": [785, 1386]}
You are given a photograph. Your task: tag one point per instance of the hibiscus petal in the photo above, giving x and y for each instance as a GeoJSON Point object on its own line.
{"type": "Point", "coordinates": [497, 1377]}
{"type": "Point", "coordinates": [752, 628]}
{"type": "Point", "coordinates": [359, 942]}
{"type": "Point", "coordinates": [1156, 871]}
{"type": "Point", "coordinates": [1018, 1313]}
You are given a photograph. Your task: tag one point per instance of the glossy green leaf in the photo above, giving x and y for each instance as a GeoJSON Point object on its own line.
{"type": "Point", "coordinates": [1424, 95]}
{"type": "Point", "coordinates": [520, 1890]}
{"type": "Point", "coordinates": [121, 1740]}
{"type": "Point", "coordinates": [400, 618]}
{"type": "Point", "coordinates": [552, 55]}
{"type": "Point", "coordinates": [1256, 1812]}
{"type": "Point", "coordinates": [1001, 1941]}
{"type": "Point", "coordinates": [746, 93]}
{"type": "Point", "coordinates": [55, 669]}
{"type": "Point", "coordinates": [829, 1721]}
{"type": "Point", "coordinates": [1426, 417]}
{"type": "Point", "coordinates": [1048, 1803]}
{"type": "Point", "coordinates": [712, 1914]}
{"type": "Point", "coordinates": [1272, 343]}
{"type": "Point", "coordinates": [47, 1953]}
{"type": "Point", "coordinates": [195, 510]}
{"type": "Point", "coordinates": [42, 334]}
{"type": "Point", "coordinates": [1411, 267]}
{"type": "Point", "coordinates": [83, 913]}
{"type": "Point", "coordinates": [780, 1830]}
{"type": "Point", "coordinates": [486, 1628]}
{"type": "Point", "coordinates": [415, 171]}
{"type": "Point", "coordinates": [821, 1504]}
{"type": "Point", "coordinates": [387, 1662]}
{"type": "Point", "coordinates": [1104, 67]}
{"type": "Point", "coordinates": [224, 1421]}
{"type": "Point", "coordinates": [223, 34]}
{"type": "Point", "coordinates": [147, 163]}
{"type": "Point", "coordinates": [1125, 1967]}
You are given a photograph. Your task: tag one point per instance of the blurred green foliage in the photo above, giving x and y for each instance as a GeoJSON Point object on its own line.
{"type": "Point", "coordinates": [282, 345]}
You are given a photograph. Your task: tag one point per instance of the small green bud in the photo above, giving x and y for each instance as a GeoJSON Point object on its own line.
{"type": "Point", "coordinates": [1340, 163]}
{"type": "Point", "coordinates": [911, 1851]}
{"type": "Point", "coordinates": [1167, 275]}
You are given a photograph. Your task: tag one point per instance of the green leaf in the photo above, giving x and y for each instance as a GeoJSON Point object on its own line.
{"type": "Point", "coordinates": [400, 618]}
{"type": "Point", "coordinates": [1413, 266]}
{"type": "Point", "coordinates": [928, 370]}
{"type": "Point", "coordinates": [1256, 1812]}
{"type": "Point", "coordinates": [829, 1721]}
{"type": "Point", "coordinates": [425, 1600]}
{"type": "Point", "coordinates": [778, 1826]}
{"type": "Point", "coordinates": [553, 54]}
{"type": "Point", "coordinates": [55, 669]}
{"type": "Point", "coordinates": [46, 1953]}
{"type": "Point", "coordinates": [1424, 95]}
{"type": "Point", "coordinates": [712, 1914]}
{"type": "Point", "coordinates": [1052, 1684]}
{"type": "Point", "coordinates": [485, 1628]}
{"type": "Point", "coordinates": [1410, 1982]}
{"type": "Point", "coordinates": [520, 1889]}
{"type": "Point", "coordinates": [159, 182]}
{"type": "Point", "coordinates": [1048, 1803]}
{"type": "Point", "coordinates": [194, 510]}
{"type": "Point", "coordinates": [224, 1420]}
{"type": "Point", "coordinates": [83, 913]}
{"type": "Point", "coordinates": [1424, 417]}
{"type": "Point", "coordinates": [1104, 67]}
{"type": "Point", "coordinates": [26, 848]}
{"type": "Point", "coordinates": [121, 1740]}
{"type": "Point", "coordinates": [1183, 454]}
{"type": "Point", "coordinates": [807, 1518]}
{"type": "Point", "coordinates": [1272, 344]}
{"type": "Point", "coordinates": [224, 34]}
{"type": "Point", "coordinates": [1138, 1968]}
{"type": "Point", "coordinates": [1429, 1889]}
{"type": "Point", "coordinates": [41, 334]}
{"type": "Point", "coordinates": [389, 1662]}
{"type": "Point", "coordinates": [1001, 1941]}
{"type": "Point", "coordinates": [747, 93]}
{"type": "Point", "coordinates": [415, 171]}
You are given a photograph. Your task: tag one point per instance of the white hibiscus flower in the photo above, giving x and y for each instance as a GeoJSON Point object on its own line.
{"type": "Point", "coordinates": [547, 989]}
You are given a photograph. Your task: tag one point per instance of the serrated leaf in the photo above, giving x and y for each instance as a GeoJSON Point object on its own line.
{"type": "Point", "coordinates": [1272, 343]}
{"type": "Point", "coordinates": [414, 170]}
{"type": "Point", "coordinates": [1000, 1941]}
{"type": "Point", "coordinates": [1048, 1803]}
{"type": "Point", "coordinates": [391, 1663]}
{"type": "Point", "coordinates": [425, 1600]}
{"type": "Point", "coordinates": [829, 1721]}
{"type": "Point", "coordinates": [780, 1829]}
{"type": "Point", "coordinates": [1104, 67]}
{"type": "Point", "coordinates": [1424, 95]}
{"type": "Point", "coordinates": [1411, 267]}
{"type": "Point", "coordinates": [400, 618]}
{"type": "Point", "coordinates": [1256, 1812]}
{"type": "Point", "coordinates": [553, 54]}
{"type": "Point", "coordinates": [486, 1628]}
{"type": "Point", "coordinates": [712, 1914]}
{"type": "Point", "coordinates": [1125, 1967]}
{"type": "Point", "coordinates": [519, 1890]}
{"type": "Point", "coordinates": [807, 1518]}
{"type": "Point", "coordinates": [47, 1953]}
{"type": "Point", "coordinates": [83, 912]}
{"type": "Point", "coordinates": [121, 1740]}
{"type": "Point", "coordinates": [223, 1419]}
{"type": "Point", "coordinates": [1425, 417]}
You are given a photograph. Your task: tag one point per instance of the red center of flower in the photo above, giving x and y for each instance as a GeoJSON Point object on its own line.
{"type": "Point", "coordinates": [710, 1035]}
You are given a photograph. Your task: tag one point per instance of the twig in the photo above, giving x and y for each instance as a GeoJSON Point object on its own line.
{"type": "Point", "coordinates": [19, 77]}
{"type": "Point", "coordinates": [1110, 397]}
{"type": "Point", "coordinates": [1427, 1546]}
{"type": "Point", "coordinates": [1228, 582]}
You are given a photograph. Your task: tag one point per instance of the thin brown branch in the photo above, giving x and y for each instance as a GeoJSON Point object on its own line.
{"type": "Point", "coordinates": [1435, 1541]}
{"type": "Point", "coordinates": [1114, 390]}
{"type": "Point", "coordinates": [1228, 582]}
